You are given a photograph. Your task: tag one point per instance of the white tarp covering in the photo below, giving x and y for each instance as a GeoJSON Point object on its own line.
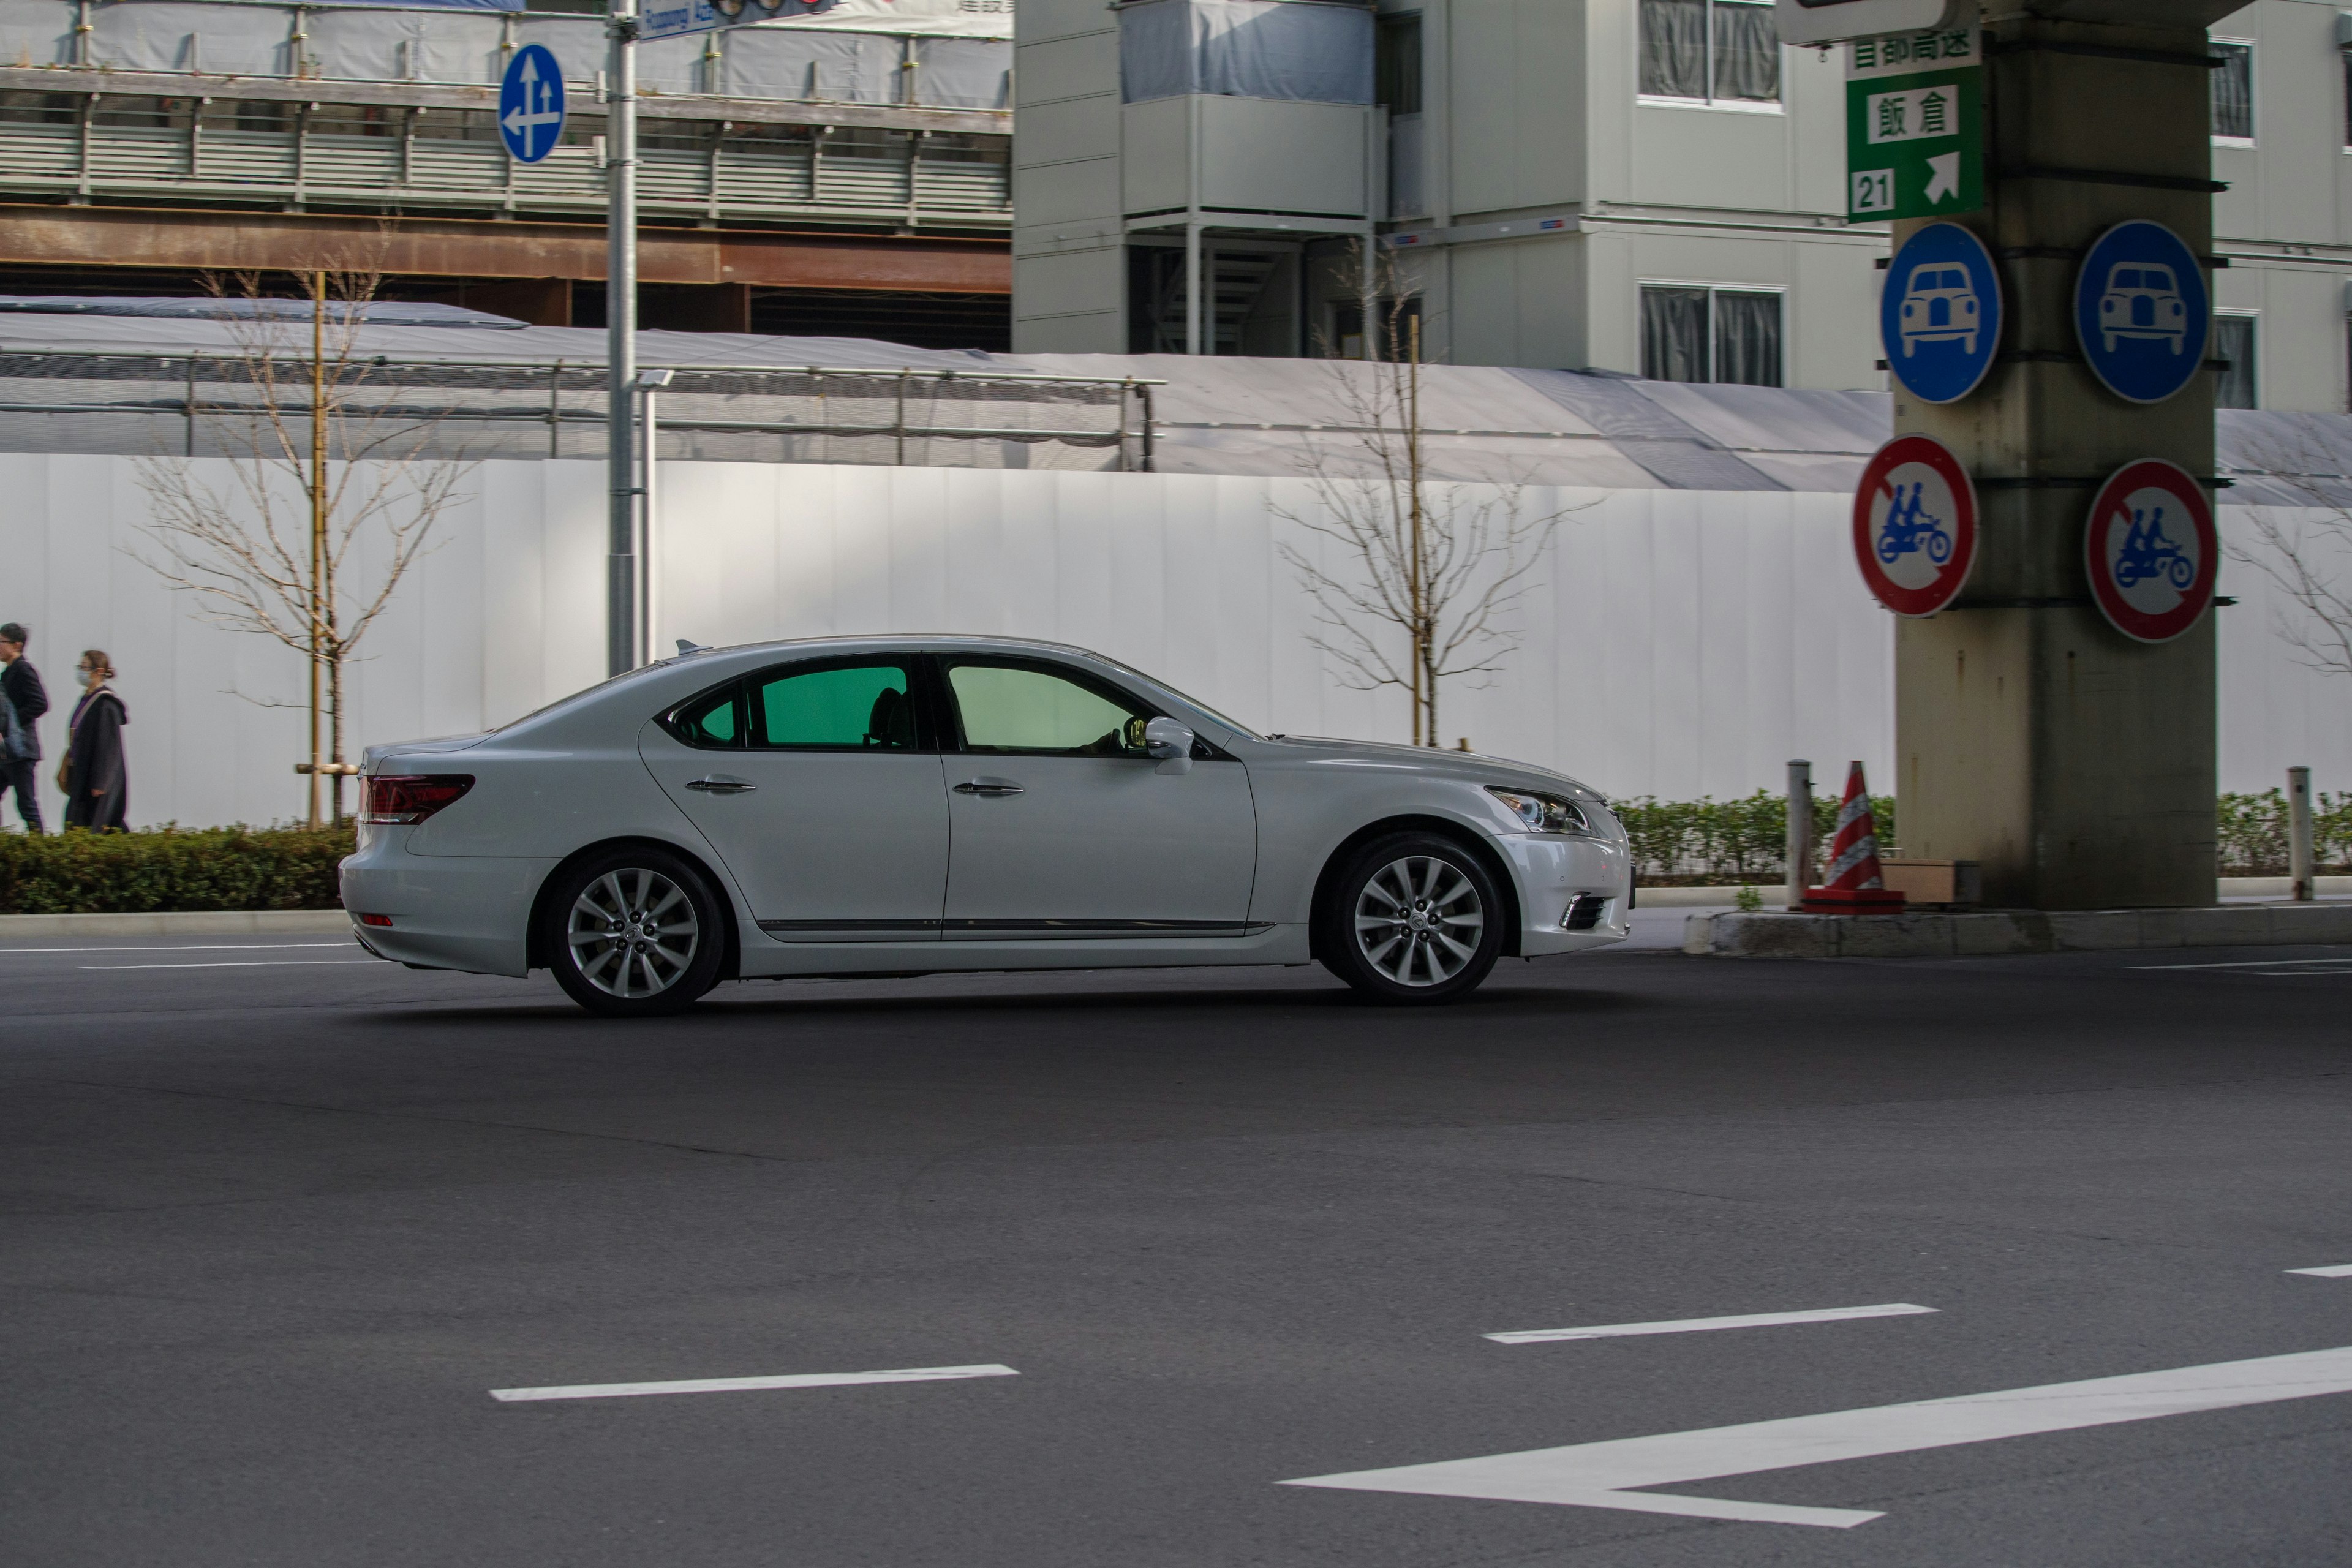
{"type": "Point", "coordinates": [957, 18]}
{"type": "Point", "coordinates": [856, 51]}
{"type": "Point", "coordinates": [1316, 50]}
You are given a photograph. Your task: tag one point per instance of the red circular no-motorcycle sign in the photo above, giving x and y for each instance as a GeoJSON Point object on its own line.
{"type": "Point", "coordinates": [2152, 551]}
{"type": "Point", "coordinates": [1915, 525]}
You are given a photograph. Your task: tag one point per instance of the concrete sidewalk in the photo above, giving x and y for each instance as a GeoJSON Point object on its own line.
{"type": "Point", "coordinates": [1991, 933]}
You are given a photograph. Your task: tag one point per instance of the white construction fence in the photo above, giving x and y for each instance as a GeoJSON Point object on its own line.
{"type": "Point", "coordinates": [1675, 643]}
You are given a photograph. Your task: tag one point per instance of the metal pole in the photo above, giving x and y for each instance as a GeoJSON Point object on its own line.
{"type": "Point", "coordinates": [648, 417]}
{"type": "Point", "coordinates": [621, 330]}
{"type": "Point", "coordinates": [2304, 887]}
{"type": "Point", "coordinates": [1191, 287]}
{"type": "Point", "coordinates": [1800, 830]}
{"type": "Point", "coordinates": [318, 515]}
{"type": "Point", "coordinates": [192, 407]}
{"type": "Point", "coordinates": [1367, 289]}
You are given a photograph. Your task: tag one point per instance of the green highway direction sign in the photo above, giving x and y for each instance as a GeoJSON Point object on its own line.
{"type": "Point", "coordinates": [1914, 125]}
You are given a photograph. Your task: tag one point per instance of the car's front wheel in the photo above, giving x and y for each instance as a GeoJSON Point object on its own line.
{"type": "Point", "coordinates": [633, 932]}
{"type": "Point", "coordinates": [1414, 919]}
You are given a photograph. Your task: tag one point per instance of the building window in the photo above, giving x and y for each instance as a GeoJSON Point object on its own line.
{"type": "Point", "coordinates": [1710, 51]}
{"type": "Point", "coordinates": [2238, 384]}
{"type": "Point", "coordinates": [1693, 332]}
{"type": "Point", "coordinates": [1396, 67]}
{"type": "Point", "coordinates": [2233, 92]}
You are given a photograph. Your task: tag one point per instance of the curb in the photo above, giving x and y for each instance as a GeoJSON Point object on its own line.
{"type": "Point", "coordinates": [182, 922]}
{"type": "Point", "coordinates": [1775, 893]}
{"type": "Point", "coordinates": [1994, 932]}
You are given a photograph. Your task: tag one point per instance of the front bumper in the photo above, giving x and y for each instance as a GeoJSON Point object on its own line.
{"type": "Point", "coordinates": [448, 911]}
{"type": "Point", "coordinates": [1552, 872]}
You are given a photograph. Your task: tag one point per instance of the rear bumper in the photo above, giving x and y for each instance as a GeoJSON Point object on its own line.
{"type": "Point", "coordinates": [1552, 872]}
{"type": "Point", "coordinates": [448, 911]}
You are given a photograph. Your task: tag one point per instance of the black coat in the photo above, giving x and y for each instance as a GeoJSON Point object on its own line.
{"type": "Point", "coordinates": [20, 683]}
{"type": "Point", "coordinates": [97, 786]}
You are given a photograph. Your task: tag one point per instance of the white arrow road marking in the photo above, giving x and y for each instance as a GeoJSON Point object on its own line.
{"type": "Point", "coordinates": [733, 1385]}
{"type": "Point", "coordinates": [1944, 176]}
{"type": "Point", "coordinates": [1694, 1325]}
{"type": "Point", "coordinates": [2332, 1272]}
{"type": "Point", "coordinates": [1596, 1475]}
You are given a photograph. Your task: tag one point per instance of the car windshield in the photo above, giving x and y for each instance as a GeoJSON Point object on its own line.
{"type": "Point", "coordinates": [1237, 728]}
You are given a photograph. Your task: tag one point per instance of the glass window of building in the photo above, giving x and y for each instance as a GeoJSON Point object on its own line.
{"type": "Point", "coordinates": [1695, 332]}
{"type": "Point", "coordinates": [2238, 385]}
{"type": "Point", "coordinates": [1710, 51]}
{"type": "Point", "coordinates": [2234, 91]}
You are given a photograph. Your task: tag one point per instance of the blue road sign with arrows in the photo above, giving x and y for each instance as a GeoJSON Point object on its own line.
{"type": "Point", "coordinates": [531, 104]}
{"type": "Point", "coordinates": [1940, 316]}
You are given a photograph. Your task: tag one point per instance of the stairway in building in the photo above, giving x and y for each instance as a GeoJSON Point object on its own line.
{"type": "Point", "coordinates": [1236, 281]}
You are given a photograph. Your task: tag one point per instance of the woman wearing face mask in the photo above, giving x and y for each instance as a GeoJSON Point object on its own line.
{"type": "Point", "coordinates": [92, 774]}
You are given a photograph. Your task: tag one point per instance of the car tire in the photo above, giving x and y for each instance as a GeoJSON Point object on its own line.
{"type": "Point", "coordinates": [1413, 920]}
{"type": "Point", "coordinates": [632, 932]}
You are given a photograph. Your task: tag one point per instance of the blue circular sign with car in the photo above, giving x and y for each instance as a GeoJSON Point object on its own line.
{"type": "Point", "coordinates": [2142, 312]}
{"type": "Point", "coordinates": [1940, 316]}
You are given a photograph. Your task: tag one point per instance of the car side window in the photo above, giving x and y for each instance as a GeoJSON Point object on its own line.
{"type": "Point", "coordinates": [1023, 709]}
{"type": "Point", "coordinates": [856, 708]}
{"type": "Point", "coordinates": [714, 720]}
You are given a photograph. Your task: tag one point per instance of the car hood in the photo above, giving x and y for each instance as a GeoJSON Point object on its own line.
{"type": "Point", "coordinates": [1430, 761]}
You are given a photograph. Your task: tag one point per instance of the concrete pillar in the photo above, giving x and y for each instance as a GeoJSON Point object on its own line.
{"type": "Point", "coordinates": [2075, 765]}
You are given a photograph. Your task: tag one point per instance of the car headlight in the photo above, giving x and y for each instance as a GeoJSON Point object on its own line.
{"type": "Point", "coordinates": [1543, 812]}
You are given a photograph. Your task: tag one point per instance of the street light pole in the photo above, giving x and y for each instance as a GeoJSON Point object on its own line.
{"type": "Point", "coordinates": [649, 382]}
{"type": "Point", "coordinates": [621, 612]}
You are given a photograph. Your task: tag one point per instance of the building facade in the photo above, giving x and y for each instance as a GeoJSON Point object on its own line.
{"type": "Point", "coordinates": [1649, 186]}
{"type": "Point", "coordinates": [841, 171]}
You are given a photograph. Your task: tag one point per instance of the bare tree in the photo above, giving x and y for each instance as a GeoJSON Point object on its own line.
{"type": "Point", "coordinates": [324, 467]}
{"type": "Point", "coordinates": [2305, 554]}
{"type": "Point", "coordinates": [1428, 571]}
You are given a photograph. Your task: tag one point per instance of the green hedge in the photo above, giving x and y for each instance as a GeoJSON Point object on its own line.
{"type": "Point", "coordinates": [2253, 833]}
{"type": "Point", "coordinates": [1721, 842]}
{"type": "Point", "coordinates": [76, 872]}
{"type": "Point", "coordinates": [1711, 842]}
{"type": "Point", "coordinates": [1726, 842]}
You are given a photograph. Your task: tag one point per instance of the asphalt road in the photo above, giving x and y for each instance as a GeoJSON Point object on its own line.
{"type": "Point", "coordinates": [276, 1221]}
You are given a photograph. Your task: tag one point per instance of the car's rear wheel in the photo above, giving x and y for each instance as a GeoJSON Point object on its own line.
{"type": "Point", "coordinates": [633, 932]}
{"type": "Point", "coordinates": [1414, 919]}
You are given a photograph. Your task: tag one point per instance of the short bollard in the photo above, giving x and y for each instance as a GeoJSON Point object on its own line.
{"type": "Point", "coordinates": [1800, 830]}
{"type": "Point", "coordinates": [2298, 835]}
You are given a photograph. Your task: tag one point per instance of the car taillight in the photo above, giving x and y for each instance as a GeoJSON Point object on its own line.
{"type": "Point", "coordinates": [397, 798]}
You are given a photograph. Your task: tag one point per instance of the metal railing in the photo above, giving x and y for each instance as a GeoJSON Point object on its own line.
{"type": "Point", "coordinates": [833, 402]}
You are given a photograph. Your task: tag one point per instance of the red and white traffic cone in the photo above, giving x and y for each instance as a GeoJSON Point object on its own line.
{"type": "Point", "coordinates": [1855, 884]}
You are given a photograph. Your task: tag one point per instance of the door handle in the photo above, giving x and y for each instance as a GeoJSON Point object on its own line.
{"type": "Point", "coordinates": [989, 788]}
{"type": "Point", "coordinates": [722, 783]}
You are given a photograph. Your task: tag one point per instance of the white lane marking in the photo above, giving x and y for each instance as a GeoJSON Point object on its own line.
{"type": "Point", "coordinates": [2332, 1272]}
{"type": "Point", "coordinates": [1596, 1475]}
{"type": "Point", "coordinates": [2246, 964]}
{"type": "Point", "coordinates": [730, 1384]}
{"type": "Point", "coordinates": [239, 963]}
{"type": "Point", "coordinates": [1694, 1325]}
{"type": "Point", "coordinates": [180, 947]}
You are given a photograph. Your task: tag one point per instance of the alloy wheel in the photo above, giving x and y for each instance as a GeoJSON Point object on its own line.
{"type": "Point", "coordinates": [1418, 920]}
{"type": "Point", "coordinates": [632, 932]}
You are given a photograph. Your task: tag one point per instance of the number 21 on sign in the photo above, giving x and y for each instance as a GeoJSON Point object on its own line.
{"type": "Point", "coordinates": [1873, 190]}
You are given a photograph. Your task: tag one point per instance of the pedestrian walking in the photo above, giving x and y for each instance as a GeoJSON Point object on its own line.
{"type": "Point", "coordinates": [96, 784]}
{"type": "Point", "coordinates": [25, 699]}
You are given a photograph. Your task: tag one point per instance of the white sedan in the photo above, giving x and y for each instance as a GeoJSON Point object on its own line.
{"type": "Point", "coordinates": [905, 805]}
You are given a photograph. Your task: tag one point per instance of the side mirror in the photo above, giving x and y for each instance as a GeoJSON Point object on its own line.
{"type": "Point", "coordinates": [1170, 744]}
